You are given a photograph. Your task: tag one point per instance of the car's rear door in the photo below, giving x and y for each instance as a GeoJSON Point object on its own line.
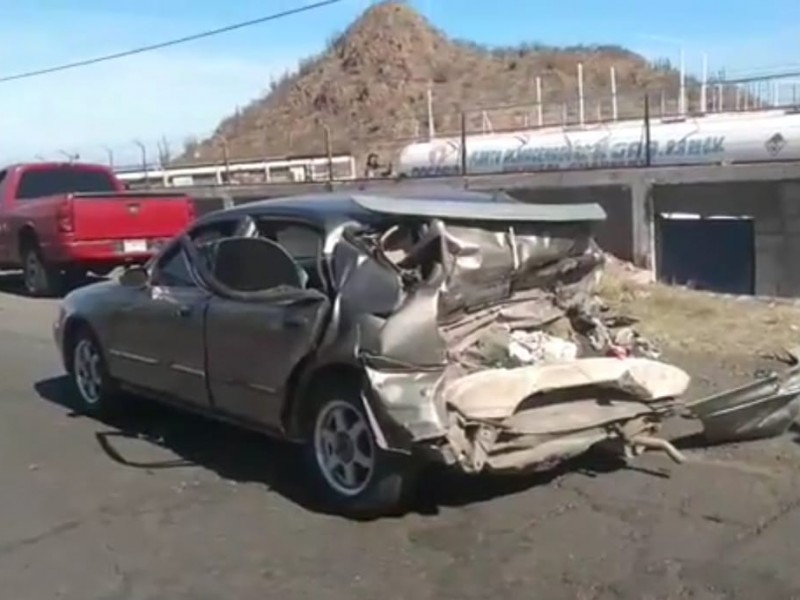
{"type": "Point", "coordinates": [252, 348]}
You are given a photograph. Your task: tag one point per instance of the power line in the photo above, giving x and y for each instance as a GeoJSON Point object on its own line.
{"type": "Point", "coordinates": [167, 44]}
{"type": "Point", "coordinates": [767, 77]}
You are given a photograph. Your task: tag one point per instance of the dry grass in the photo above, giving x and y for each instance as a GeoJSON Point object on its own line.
{"type": "Point", "coordinates": [369, 87]}
{"type": "Point", "coordinates": [698, 323]}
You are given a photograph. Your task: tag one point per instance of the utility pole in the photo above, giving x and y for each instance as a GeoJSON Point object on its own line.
{"type": "Point", "coordinates": [143, 150]}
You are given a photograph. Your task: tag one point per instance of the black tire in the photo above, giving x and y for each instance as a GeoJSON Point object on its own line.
{"type": "Point", "coordinates": [41, 280]}
{"type": "Point", "coordinates": [104, 396]}
{"type": "Point", "coordinates": [385, 490]}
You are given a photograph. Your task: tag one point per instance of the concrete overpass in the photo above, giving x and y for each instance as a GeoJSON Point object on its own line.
{"type": "Point", "coordinates": [754, 253]}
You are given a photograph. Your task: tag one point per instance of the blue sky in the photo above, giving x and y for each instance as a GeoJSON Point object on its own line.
{"type": "Point", "coordinates": [183, 91]}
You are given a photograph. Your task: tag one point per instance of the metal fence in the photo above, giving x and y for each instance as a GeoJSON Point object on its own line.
{"type": "Point", "coordinates": [601, 102]}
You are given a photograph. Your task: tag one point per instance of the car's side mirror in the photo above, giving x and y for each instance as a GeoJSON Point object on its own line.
{"type": "Point", "coordinates": [135, 276]}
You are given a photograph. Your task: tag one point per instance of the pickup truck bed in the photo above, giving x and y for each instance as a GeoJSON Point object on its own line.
{"type": "Point", "coordinates": [108, 230]}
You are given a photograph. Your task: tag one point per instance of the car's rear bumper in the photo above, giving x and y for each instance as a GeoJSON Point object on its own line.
{"type": "Point", "coordinates": [107, 252]}
{"type": "Point", "coordinates": [532, 417]}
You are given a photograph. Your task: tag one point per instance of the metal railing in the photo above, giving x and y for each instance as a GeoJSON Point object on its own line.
{"type": "Point", "coordinates": [594, 104]}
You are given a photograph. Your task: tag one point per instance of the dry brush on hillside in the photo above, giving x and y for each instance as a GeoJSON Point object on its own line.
{"type": "Point", "coordinates": [370, 90]}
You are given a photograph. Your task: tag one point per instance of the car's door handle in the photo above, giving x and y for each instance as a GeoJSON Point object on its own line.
{"type": "Point", "coordinates": [183, 311]}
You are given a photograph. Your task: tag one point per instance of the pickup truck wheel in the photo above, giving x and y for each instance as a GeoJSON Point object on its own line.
{"type": "Point", "coordinates": [40, 278]}
{"type": "Point", "coordinates": [95, 389]}
{"type": "Point", "coordinates": [352, 474]}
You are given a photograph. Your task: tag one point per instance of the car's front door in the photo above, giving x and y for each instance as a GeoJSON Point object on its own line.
{"type": "Point", "coordinates": [157, 338]}
{"type": "Point", "coordinates": [253, 346]}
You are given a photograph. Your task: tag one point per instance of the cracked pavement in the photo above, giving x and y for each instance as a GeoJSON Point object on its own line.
{"type": "Point", "coordinates": [160, 505]}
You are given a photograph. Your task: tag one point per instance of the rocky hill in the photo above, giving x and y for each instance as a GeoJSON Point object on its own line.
{"type": "Point", "coordinates": [370, 90]}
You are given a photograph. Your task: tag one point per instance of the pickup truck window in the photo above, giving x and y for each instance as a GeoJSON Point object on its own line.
{"type": "Point", "coordinates": [38, 183]}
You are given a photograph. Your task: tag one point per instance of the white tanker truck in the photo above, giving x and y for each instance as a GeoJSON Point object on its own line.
{"type": "Point", "coordinates": [731, 138]}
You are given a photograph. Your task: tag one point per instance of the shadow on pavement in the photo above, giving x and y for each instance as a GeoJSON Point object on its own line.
{"type": "Point", "coordinates": [11, 283]}
{"type": "Point", "coordinates": [693, 441]}
{"type": "Point", "coordinates": [243, 456]}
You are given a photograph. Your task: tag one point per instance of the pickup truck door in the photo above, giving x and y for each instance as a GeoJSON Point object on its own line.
{"type": "Point", "coordinates": [5, 226]}
{"type": "Point", "coordinates": [157, 338]}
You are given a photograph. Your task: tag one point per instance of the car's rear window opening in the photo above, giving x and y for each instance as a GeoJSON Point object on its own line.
{"type": "Point", "coordinates": [38, 183]}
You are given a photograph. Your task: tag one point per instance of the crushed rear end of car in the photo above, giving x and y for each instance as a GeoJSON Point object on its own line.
{"type": "Point", "coordinates": [483, 342]}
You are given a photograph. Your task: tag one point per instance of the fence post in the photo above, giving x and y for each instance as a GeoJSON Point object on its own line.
{"type": "Point", "coordinates": [704, 87]}
{"type": "Point", "coordinates": [682, 99]}
{"type": "Point", "coordinates": [648, 158]}
{"type": "Point", "coordinates": [539, 109]}
{"type": "Point", "coordinates": [227, 158]}
{"type": "Point", "coordinates": [463, 143]}
{"type": "Point", "coordinates": [614, 105]}
{"type": "Point", "coordinates": [581, 113]}
{"type": "Point", "coordinates": [431, 127]}
{"type": "Point", "coordinates": [143, 150]}
{"type": "Point", "coordinates": [110, 154]}
{"type": "Point", "coordinates": [329, 152]}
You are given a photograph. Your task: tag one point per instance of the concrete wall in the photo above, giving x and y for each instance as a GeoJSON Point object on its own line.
{"type": "Point", "coordinates": [775, 209]}
{"type": "Point", "coordinates": [769, 193]}
{"type": "Point", "coordinates": [778, 244]}
{"type": "Point", "coordinates": [614, 235]}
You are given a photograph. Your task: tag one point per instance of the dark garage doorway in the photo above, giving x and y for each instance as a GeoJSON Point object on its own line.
{"type": "Point", "coordinates": [714, 254]}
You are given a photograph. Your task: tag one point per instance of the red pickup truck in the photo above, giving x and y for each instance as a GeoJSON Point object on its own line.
{"type": "Point", "coordinates": [59, 222]}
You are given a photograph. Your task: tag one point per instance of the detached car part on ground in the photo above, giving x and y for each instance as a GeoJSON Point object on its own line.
{"type": "Point", "coordinates": [766, 407]}
{"type": "Point", "coordinates": [415, 333]}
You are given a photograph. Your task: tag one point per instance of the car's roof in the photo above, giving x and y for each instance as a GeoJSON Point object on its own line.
{"type": "Point", "coordinates": [330, 209]}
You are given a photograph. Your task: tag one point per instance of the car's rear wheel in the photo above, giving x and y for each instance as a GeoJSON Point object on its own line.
{"type": "Point", "coordinates": [96, 392]}
{"type": "Point", "coordinates": [40, 279]}
{"type": "Point", "coordinates": [354, 475]}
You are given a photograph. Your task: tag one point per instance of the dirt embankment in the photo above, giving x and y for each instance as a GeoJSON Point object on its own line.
{"type": "Point", "coordinates": [720, 340]}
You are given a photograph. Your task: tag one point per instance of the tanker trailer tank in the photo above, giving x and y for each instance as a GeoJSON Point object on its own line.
{"type": "Point", "coordinates": [764, 137]}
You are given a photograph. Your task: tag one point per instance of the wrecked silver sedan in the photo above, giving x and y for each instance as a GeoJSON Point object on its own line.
{"type": "Point", "coordinates": [379, 332]}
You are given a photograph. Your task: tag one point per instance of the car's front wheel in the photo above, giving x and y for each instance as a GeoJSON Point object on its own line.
{"type": "Point", "coordinates": [354, 474]}
{"type": "Point", "coordinates": [96, 392]}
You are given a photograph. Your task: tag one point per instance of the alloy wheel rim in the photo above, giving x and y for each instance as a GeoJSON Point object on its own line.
{"type": "Point", "coordinates": [87, 371]}
{"type": "Point", "coordinates": [344, 448]}
{"type": "Point", "coordinates": [32, 273]}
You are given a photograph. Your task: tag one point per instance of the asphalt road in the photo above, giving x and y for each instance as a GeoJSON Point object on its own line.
{"type": "Point", "coordinates": [162, 506]}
